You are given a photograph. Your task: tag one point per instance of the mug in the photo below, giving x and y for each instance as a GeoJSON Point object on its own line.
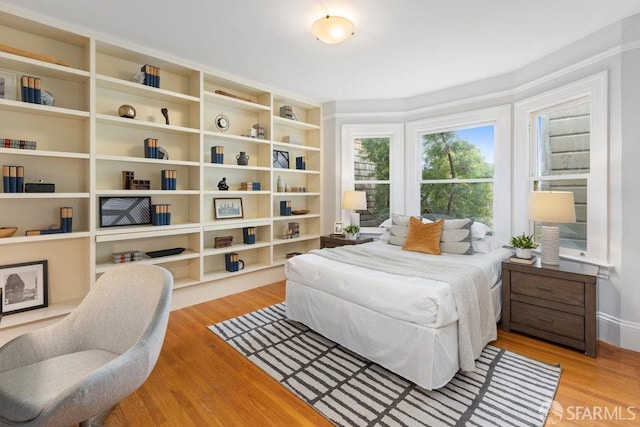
{"type": "Point", "coordinates": [240, 264]}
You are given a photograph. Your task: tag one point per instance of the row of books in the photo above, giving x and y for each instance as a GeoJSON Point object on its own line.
{"type": "Point", "coordinates": [286, 111]}
{"type": "Point", "coordinates": [249, 235]}
{"type": "Point", "coordinates": [151, 148]}
{"type": "Point", "coordinates": [232, 262]}
{"type": "Point", "coordinates": [217, 154]}
{"type": "Point", "coordinates": [285, 207]}
{"type": "Point", "coordinates": [151, 75]}
{"type": "Point", "coordinates": [169, 179]}
{"type": "Point", "coordinates": [18, 143]}
{"type": "Point", "coordinates": [292, 231]}
{"type": "Point", "coordinates": [130, 256]}
{"type": "Point", "coordinates": [250, 186]}
{"type": "Point", "coordinates": [222, 241]}
{"type": "Point", "coordinates": [66, 224]}
{"type": "Point", "coordinates": [31, 89]}
{"type": "Point", "coordinates": [161, 214]}
{"type": "Point", "coordinates": [301, 162]}
{"type": "Point", "coordinates": [13, 178]}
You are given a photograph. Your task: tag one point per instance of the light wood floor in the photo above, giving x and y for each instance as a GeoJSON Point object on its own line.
{"type": "Point", "coordinates": [201, 381]}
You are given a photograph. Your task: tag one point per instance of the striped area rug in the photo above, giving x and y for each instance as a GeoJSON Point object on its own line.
{"type": "Point", "coordinates": [505, 390]}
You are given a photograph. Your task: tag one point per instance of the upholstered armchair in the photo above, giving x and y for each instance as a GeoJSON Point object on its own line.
{"type": "Point", "coordinates": [83, 365]}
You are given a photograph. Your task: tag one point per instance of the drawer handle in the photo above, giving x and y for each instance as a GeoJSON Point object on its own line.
{"type": "Point", "coordinates": [545, 288]}
{"type": "Point", "coordinates": [544, 319]}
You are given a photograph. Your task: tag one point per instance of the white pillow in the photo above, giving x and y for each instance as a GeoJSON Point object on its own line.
{"type": "Point", "coordinates": [486, 244]}
{"type": "Point", "coordinates": [479, 230]}
{"type": "Point", "coordinates": [386, 224]}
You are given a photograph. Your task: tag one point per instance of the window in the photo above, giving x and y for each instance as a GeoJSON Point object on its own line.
{"type": "Point", "coordinates": [561, 145]}
{"type": "Point", "coordinates": [461, 167]}
{"type": "Point", "coordinates": [457, 173]}
{"type": "Point", "coordinates": [372, 162]}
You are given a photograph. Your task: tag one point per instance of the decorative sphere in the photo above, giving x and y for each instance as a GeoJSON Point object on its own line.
{"type": "Point", "coordinates": [127, 111]}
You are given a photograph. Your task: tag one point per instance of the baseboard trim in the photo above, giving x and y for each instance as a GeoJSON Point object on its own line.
{"type": "Point", "coordinates": [621, 333]}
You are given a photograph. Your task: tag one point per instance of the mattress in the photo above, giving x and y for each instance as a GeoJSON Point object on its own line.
{"type": "Point", "coordinates": [425, 302]}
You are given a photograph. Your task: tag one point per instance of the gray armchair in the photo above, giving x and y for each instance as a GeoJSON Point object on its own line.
{"type": "Point", "coordinates": [86, 363]}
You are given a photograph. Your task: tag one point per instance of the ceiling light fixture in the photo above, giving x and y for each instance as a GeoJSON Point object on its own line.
{"type": "Point", "coordinates": [332, 29]}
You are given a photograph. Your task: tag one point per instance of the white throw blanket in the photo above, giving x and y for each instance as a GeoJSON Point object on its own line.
{"type": "Point", "coordinates": [471, 291]}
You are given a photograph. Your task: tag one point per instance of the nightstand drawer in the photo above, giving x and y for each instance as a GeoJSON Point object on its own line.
{"type": "Point", "coordinates": [545, 319]}
{"type": "Point", "coordinates": [549, 288]}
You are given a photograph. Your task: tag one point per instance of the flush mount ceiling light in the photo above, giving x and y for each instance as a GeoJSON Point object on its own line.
{"type": "Point", "coordinates": [332, 29]}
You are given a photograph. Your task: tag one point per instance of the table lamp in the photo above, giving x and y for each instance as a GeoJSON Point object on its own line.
{"type": "Point", "coordinates": [551, 207]}
{"type": "Point", "coordinates": [354, 200]}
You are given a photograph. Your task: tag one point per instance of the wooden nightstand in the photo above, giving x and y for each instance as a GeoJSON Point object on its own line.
{"type": "Point", "coordinates": [332, 242]}
{"type": "Point", "coordinates": [556, 303]}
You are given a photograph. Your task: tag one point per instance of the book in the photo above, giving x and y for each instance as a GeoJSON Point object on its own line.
{"type": "Point", "coordinates": [285, 207]}
{"type": "Point", "coordinates": [13, 179]}
{"type": "Point", "coordinates": [249, 235]}
{"type": "Point", "coordinates": [19, 179]}
{"type": "Point", "coordinates": [6, 184]}
{"type": "Point", "coordinates": [517, 260]}
{"type": "Point", "coordinates": [24, 85]}
{"type": "Point", "coordinates": [32, 90]}
{"type": "Point", "coordinates": [217, 154]}
{"type": "Point", "coordinates": [43, 232]}
{"type": "Point", "coordinates": [301, 162]}
{"type": "Point", "coordinates": [37, 97]}
{"type": "Point", "coordinates": [66, 219]}
{"type": "Point", "coordinates": [231, 261]}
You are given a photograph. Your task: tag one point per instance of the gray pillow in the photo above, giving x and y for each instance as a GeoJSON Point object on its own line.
{"type": "Point", "coordinates": [456, 237]}
{"type": "Point", "coordinates": [399, 229]}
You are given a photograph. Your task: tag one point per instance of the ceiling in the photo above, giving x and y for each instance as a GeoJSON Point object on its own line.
{"type": "Point", "coordinates": [400, 48]}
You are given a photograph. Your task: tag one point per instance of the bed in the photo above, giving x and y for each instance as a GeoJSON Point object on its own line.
{"type": "Point", "coordinates": [398, 317]}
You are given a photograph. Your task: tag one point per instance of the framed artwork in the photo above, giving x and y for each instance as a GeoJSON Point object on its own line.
{"type": "Point", "coordinates": [228, 208]}
{"type": "Point", "coordinates": [24, 287]}
{"type": "Point", "coordinates": [8, 85]}
{"type": "Point", "coordinates": [337, 228]}
{"type": "Point", "coordinates": [117, 211]}
{"type": "Point", "coordinates": [280, 159]}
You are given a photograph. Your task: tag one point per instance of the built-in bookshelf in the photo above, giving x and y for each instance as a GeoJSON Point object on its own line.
{"type": "Point", "coordinates": [85, 147]}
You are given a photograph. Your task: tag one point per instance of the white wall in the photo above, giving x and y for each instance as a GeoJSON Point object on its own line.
{"type": "Point", "coordinates": [615, 49]}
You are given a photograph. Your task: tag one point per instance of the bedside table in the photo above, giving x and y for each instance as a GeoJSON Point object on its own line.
{"type": "Point", "coordinates": [333, 242]}
{"type": "Point", "coordinates": [555, 303]}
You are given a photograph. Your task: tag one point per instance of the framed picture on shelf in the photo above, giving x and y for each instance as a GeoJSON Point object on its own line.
{"type": "Point", "coordinates": [117, 211]}
{"type": "Point", "coordinates": [24, 286]}
{"type": "Point", "coordinates": [280, 159]}
{"type": "Point", "coordinates": [337, 227]}
{"type": "Point", "coordinates": [8, 85]}
{"type": "Point", "coordinates": [228, 208]}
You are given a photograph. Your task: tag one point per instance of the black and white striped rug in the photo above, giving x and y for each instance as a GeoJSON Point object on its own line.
{"type": "Point", "coordinates": [505, 390]}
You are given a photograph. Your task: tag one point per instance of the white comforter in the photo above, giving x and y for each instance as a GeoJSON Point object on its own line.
{"type": "Point", "coordinates": [421, 300]}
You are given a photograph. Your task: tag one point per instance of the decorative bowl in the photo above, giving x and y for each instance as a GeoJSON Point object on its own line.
{"type": "Point", "coordinates": [300, 211]}
{"type": "Point", "coordinates": [7, 231]}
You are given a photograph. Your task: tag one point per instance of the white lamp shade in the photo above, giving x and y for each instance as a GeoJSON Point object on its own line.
{"type": "Point", "coordinates": [332, 29]}
{"type": "Point", "coordinates": [354, 200]}
{"type": "Point", "coordinates": [552, 206]}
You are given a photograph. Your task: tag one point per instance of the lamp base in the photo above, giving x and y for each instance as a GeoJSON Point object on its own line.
{"type": "Point", "coordinates": [355, 218]}
{"type": "Point", "coordinates": [550, 250]}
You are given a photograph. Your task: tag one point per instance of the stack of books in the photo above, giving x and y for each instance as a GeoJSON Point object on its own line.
{"type": "Point", "coordinates": [151, 75]}
{"type": "Point", "coordinates": [301, 162]}
{"type": "Point", "coordinates": [249, 235]}
{"type": "Point", "coordinates": [286, 111]}
{"type": "Point", "coordinates": [260, 128]}
{"type": "Point", "coordinates": [250, 186]}
{"type": "Point", "coordinates": [151, 148]}
{"type": "Point", "coordinates": [517, 260]}
{"type": "Point", "coordinates": [232, 261]}
{"type": "Point", "coordinates": [18, 143]}
{"type": "Point", "coordinates": [217, 154]}
{"type": "Point", "coordinates": [295, 229]}
{"type": "Point", "coordinates": [31, 89]}
{"type": "Point", "coordinates": [285, 207]}
{"type": "Point", "coordinates": [222, 241]}
{"type": "Point", "coordinates": [169, 179]}
{"type": "Point", "coordinates": [161, 214]}
{"type": "Point", "coordinates": [120, 257]}
{"type": "Point", "coordinates": [66, 221]}
{"type": "Point", "coordinates": [13, 178]}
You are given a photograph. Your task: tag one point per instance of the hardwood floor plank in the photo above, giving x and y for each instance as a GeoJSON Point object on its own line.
{"type": "Point", "coordinates": [201, 380]}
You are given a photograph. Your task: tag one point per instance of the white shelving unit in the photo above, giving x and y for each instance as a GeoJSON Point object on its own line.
{"type": "Point", "coordinates": [83, 146]}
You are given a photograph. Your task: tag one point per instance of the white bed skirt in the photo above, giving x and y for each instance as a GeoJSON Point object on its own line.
{"type": "Point", "coordinates": [426, 356]}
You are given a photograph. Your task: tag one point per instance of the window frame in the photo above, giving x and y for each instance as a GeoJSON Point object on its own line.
{"type": "Point", "coordinates": [500, 118]}
{"type": "Point", "coordinates": [594, 89]}
{"type": "Point", "coordinates": [395, 133]}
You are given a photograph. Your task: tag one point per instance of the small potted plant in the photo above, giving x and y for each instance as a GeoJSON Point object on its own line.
{"type": "Point", "coordinates": [523, 244]}
{"type": "Point", "coordinates": [352, 231]}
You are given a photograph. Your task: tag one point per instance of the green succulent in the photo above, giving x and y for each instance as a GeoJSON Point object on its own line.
{"type": "Point", "coordinates": [523, 242]}
{"type": "Point", "coordinates": [352, 229]}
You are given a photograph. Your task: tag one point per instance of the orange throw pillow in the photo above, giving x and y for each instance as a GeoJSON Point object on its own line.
{"type": "Point", "coordinates": [424, 237]}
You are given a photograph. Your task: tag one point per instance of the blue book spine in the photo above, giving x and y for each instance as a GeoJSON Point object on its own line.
{"type": "Point", "coordinates": [13, 179]}
{"type": "Point", "coordinates": [147, 148]}
{"type": "Point", "coordinates": [37, 99]}
{"type": "Point", "coordinates": [5, 178]}
{"type": "Point", "coordinates": [285, 207]}
{"type": "Point", "coordinates": [157, 75]}
{"type": "Point", "coordinates": [32, 90]}
{"type": "Point", "coordinates": [174, 179]}
{"type": "Point", "coordinates": [163, 179]}
{"type": "Point", "coordinates": [24, 83]}
{"type": "Point", "coordinates": [19, 179]}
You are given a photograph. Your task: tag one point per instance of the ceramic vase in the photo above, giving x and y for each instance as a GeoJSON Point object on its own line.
{"type": "Point", "coordinates": [242, 158]}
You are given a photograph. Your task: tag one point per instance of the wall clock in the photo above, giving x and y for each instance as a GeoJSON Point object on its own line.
{"type": "Point", "coordinates": [222, 122]}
